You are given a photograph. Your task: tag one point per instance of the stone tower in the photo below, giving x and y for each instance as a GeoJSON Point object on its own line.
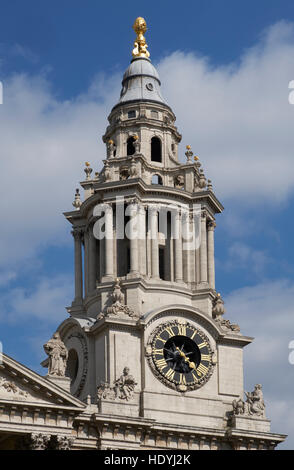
{"type": "Point", "coordinates": [148, 347]}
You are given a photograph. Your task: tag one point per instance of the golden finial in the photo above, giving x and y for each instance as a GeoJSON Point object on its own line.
{"type": "Point", "coordinates": [87, 163]}
{"type": "Point", "coordinates": [188, 147]}
{"type": "Point", "coordinates": [140, 49]}
{"type": "Point", "coordinates": [196, 158]}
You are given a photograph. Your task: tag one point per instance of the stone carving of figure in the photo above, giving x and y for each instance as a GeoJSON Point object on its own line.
{"type": "Point", "coordinates": [58, 355]}
{"type": "Point", "coordinates": [254, 405]}
{"type": "Point", "coordinates": [125, 385]}
{"type": "Point", "coordinates": [255, 401]}
{"type": "Point", "coordinates": [238, 407]}
{"type": "Point", "coordinates": [111, 148]}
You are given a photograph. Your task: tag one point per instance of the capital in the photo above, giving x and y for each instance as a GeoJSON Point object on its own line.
{"type": "Point", "coordinates": [211, 225]}
{"type": "Point", "coordinates": [77, 233]}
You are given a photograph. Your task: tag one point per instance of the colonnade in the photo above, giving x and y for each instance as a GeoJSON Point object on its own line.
{"type": "Point", "coordinates": [98, 260]}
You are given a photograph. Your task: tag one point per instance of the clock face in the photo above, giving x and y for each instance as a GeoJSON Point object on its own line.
{"type": "Point", "coordinates": [180, 355]}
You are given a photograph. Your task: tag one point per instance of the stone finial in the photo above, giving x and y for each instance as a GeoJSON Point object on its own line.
{"type": "Point", "coordinates": [88, 170]}
{"type": "Point", "coordinates": [218, 308]}
{"type": "Point", "coordinates": [58, 355]}
{"type": "Point", "coordinates": [202, 179]}
{"type": "Point", "coordinates": [189, 153]}
{"type": "Point", "coordinates": [209, 185]}
{"type": "Point", "coordinates": [117, 294]}
{"type": "Point", "coordinates": [77, 202]}
{"type": "Point", "coordinates": [118, 306]}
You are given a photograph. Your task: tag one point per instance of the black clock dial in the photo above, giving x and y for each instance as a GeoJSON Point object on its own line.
{"type": "Point", "coordinates": [182, 355]}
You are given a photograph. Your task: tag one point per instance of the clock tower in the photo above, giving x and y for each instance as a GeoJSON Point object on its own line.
{"type": "Point", "coordinates": [149, 349]}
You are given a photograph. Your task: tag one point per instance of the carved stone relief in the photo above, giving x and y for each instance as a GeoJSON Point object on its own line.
{"type": "Point", "coordinates": [253, 406]}
{"type": "Point", "coordinates": [122, 389]}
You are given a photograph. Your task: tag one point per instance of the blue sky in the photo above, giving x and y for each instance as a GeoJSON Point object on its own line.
{"type": "Point", "coordinates": [225, 68]}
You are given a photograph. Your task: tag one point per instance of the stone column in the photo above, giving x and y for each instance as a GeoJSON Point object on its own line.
{"type": "Point", "coordinates": [178, 248]}
{"type": "Point", "coordinates": [77, 234]}
{"type": "Point", "coordinates": [203, 250]}
{"type": "Point", "coordinates": [210, 254]}
{"type": "Point", "coordinates": [92, 260]}
{"type": "Point", "coordinates": [102, 258]}
{"type": "Point", "coordinates": [109, 242]}
{"type": "Point", "coordinates": [86, 261]}
{"type": "Point", "coordinates": [142, 241]}
{"type": "Point", "coordinates": [134, 242]}
{"type": "Point", "coordinates": [186, 246]}
{"type": "Point", "coordinates": [192, 257]}
{"type": "Point", "coordinates": [154, 242]}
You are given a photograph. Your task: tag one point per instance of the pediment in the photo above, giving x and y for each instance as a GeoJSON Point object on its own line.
{"type": "Point", "coordinates": [20, 384]}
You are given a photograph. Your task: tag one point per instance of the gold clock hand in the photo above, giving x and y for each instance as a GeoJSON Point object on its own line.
{"type": "Point", "coordinates": [190, 363]}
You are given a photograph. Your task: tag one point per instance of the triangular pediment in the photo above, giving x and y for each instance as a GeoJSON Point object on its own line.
{"type": "Point", "coordinates": [20, 384]}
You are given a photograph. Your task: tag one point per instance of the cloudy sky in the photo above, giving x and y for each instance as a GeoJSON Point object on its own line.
{"type": "Point", "coordinates": [225, 68]}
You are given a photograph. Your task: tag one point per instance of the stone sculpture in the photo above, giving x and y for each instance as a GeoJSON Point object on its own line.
{"type": "Point", "coordinates": [123, 388]}
{"type": "Point", "coordinates": [58, 355]}
{"type": "Point", "coordinates": [254, 405]}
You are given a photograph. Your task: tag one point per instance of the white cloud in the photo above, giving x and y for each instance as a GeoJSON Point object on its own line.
{"type": "Point", "coordinates": [243, 256]}
{"type": "Point", "coordinates": [265, 311]}
{"type": "Point", "coordinates": [6, 277]}
{"type": "Point", "coordinates": [237, 117]}
{"type": "Point", "coordinates": [44, 301]}
{"type": "Point", "coordinates": [44, 144]}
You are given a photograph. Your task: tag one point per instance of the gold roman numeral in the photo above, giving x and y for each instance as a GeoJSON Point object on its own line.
{"type": "Point", "coordinates": [194, 374]}
{"type": "Point", "coordinates": [158, 338]}
{"type": "Point", "coordinates": [193, 334]}
{"type": "Point", "coordinates": [183, 379]}
{"type": "Point", "coordinates": [202, 345]}
{"type": "Point", "coordinates": [182, 330]}
{"type": "Point", "coordinates": [170, 374]}
{"type": "Point", "coordinates": [170, 331]}
{"type": "Point", "coordinates": [161, 364]}
{"type": "Point", "coordinates": [205, 357]}
{"type": "Point", "coordinates": [201, 369]}
{"type": "Point", "coordinates": [158, 351]}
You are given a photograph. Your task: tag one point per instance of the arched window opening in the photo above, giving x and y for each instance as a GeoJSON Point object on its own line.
{"type": "Point", "coordinates": [130, 146]}
{"type": "Point", "coordinates": [72, 365]}
{"type": "Point", "coordinates": [156, 179]}
{"type": "Point", "coordinates": [161, 263]}
{"type": "Point", "coordinates": [155, 149]}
